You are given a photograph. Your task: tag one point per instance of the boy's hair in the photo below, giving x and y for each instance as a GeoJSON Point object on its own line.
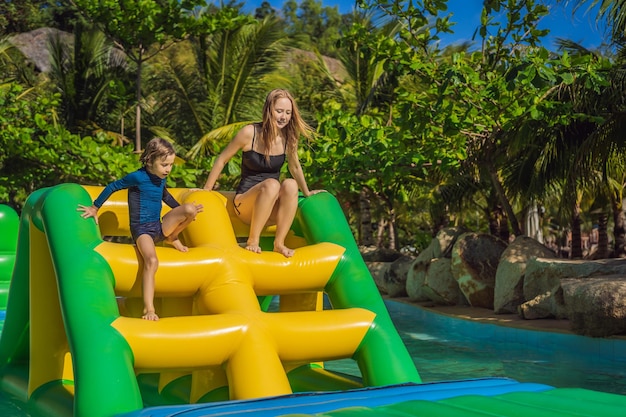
{"type": "Point", "coordinates": [155, 149]}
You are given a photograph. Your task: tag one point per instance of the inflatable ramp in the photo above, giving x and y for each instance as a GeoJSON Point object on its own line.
{"type": "Point", "coordinates": [73, 342]}
{"type": "Point", "coordinates": [9, 224]}
{"type": "Point", "coordinates": [73, 338]}
{"type": "Point", "coordinates": [486, 397]}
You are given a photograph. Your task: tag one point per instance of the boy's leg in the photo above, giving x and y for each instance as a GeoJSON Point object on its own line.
{"type": "Point", "coordinates": [175, 222]}
{"type": "Point", "coordinates": [146, 248]}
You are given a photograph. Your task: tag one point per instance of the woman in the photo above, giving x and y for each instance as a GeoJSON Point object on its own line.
{"type": "Point", "coordinates": [261, 199]}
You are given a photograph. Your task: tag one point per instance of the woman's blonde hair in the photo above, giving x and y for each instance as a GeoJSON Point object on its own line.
{"type": "Point", "coordinates": [157, 148]}
{"type": "Point", "coordinates": [296, 127]}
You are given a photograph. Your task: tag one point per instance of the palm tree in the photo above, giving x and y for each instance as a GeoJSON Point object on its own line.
{"type": "Point", "coordinates": [210, 85]}
{"type": "Point", "coordinates": [84, 75]}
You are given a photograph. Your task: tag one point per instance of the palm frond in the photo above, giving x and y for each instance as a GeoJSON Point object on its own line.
{"type": "Point", "coordinates": [212, 142]}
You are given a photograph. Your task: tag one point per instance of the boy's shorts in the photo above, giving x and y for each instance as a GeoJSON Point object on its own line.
{"type": "Point", "coordinates": [152, 229]}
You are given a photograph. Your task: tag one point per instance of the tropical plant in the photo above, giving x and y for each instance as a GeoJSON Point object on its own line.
{"type": "Point", "coordinates": [141, 29]}
{"type": "Point", "coordinates": [87, 74]}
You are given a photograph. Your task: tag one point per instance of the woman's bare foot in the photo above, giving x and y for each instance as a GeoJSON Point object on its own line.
{"type": "Point", "coordinates": [150, 315]}
{"type": "Point", "coordinates": [177, 244]}
{"type": "Point", "coordinates": [253, 248]}
{"type": "Point", "coordinates": [287, 253]}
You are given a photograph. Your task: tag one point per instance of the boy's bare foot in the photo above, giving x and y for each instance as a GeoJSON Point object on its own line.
{"type": "Point", "coordinates": [177, 244]}
{"type": "Point", "coordinates": [287, 253]}
{"type": "Point", "coordinates": [150, 315]}
{"type": "Point", "coordinates": [253, 248]}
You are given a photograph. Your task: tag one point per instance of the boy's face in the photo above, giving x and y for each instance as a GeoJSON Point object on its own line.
{"type": "Point", "coordinates": [161, 167]}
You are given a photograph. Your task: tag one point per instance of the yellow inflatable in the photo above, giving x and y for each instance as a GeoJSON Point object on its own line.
{"type": "Point", "coordinates": [73, 316]}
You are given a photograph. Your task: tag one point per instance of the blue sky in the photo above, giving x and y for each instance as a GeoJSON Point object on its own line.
{"type": "Point", "coordinates": [581, 28]}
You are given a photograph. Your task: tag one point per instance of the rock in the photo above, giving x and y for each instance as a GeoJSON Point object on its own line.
{"type": "Point", "coordinates": [475, 258]}
{"type": "Point", "coordinates": [378, 271]}
{"type": "Point", "coordinates": [34, 45]}
{"type": "Point", "coordinates": [544, 275]}
{"type": "Point", "coordinates": [541, 307]}
{"type": "Point", "coordinates": [374, 254]}
{"type": "Point", "coordinates": [509, 285]}
{"type": "Point", "coordinates": [440, 246]}
{"type": "Point", "coordinates": [439, 284]}
{"type": "Point", "coordinates": [416, 275]}
{"type": "Point", "coordinates": [395, 276]}
{"type": "Point", "coordinates": [596, 306]}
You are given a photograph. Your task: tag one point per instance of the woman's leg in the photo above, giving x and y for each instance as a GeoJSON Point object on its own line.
{"type": "Point", "coordinates": [255, 207]}
{"type": "Point", "coordinates": [146, 248]}
{"type": "Point", "coordinates": [175, 222]}
{"type": "Point", "coordinates": [284, 213]}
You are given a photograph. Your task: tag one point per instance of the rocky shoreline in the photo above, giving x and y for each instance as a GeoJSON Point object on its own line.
{"type": "Point", "coordinates": [517, 282]}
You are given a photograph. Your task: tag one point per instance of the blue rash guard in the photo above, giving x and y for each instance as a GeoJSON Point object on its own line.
{"type": "Point", "coordinates": [145, 193]}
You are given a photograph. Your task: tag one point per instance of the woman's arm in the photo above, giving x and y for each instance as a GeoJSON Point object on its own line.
{"type": "Point", "coordinates": [242, 140]}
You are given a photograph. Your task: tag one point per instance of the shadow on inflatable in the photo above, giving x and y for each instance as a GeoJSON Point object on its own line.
{"type": "Point", "coordinates": [74, 343]}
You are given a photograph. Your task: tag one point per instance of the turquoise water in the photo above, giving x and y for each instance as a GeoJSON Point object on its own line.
{"type": "Point", "coordinates": [445, 348]}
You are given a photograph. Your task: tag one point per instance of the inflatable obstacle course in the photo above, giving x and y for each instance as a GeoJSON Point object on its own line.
{"type": "Point", "coordinates": [9, 225]}
{"type": "Point", "coordinates": [73, 316]}
{"type": "Point", "coordinates": [73, 342]}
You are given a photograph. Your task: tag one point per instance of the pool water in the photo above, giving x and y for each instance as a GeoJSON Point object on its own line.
{"type": "Point", "coordinates": [446, 348]}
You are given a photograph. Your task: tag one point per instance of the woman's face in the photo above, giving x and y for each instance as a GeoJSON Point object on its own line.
{"type": "Point", "coordinates": [282, 112]}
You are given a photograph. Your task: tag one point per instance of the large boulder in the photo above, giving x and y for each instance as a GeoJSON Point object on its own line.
{"type": "Point", "coordinates": [378, 271]}
{"type": "Point", "coordinates": [395, 277]}
{"type": "Point", "coordinates": [509, 286]}
{"type": "Point", "coordinates": [474, 262]}
{"type": "Point", "coordinates": [388, 269]}
{"type": "Point", "coordinates": [596, 306]}
{"type": "Point", "coordinates": [543, 306]}
{"type": "Point", "coordinates": [415, 280]}
{"type": "Point", "coordinates": [439, 284]}
{"type": "Point", "coordinates": [440, 247]}
{"type": "Point", "coordinates": [376, 254]}
{"type": "Point", "coordinates": [544, 276]}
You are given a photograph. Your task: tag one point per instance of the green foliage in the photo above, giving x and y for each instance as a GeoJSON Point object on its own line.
{"type": "Point", "coordinates": [39, 152]}
{"type": "Point", "coordinates": [314, 25]}
{"type": "Point", "coordinates": [139, 23]}
{"type": "Point", "coordinates": [24, 15]}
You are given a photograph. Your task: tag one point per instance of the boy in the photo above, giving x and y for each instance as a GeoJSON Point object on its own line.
{"type": "Point", "coordinates": [146, 190]}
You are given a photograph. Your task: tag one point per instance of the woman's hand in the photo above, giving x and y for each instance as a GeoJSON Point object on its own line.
{"type": "Point", "coordinates": [316, 192]}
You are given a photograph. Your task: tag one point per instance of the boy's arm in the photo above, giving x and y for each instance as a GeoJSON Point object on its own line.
{"type": "Point", "coordinates": [92, 211]}
{"type": "Point", "coordinates": [88, 211]}
{"type": "Point", "coordinates": [112, 187]}
{"type": "Point", "coordinates": [169, 199]}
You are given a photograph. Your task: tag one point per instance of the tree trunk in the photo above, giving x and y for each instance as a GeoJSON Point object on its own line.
{"type": "Point", "coordinates": [603, 236]}
{"type": "Point", "coordinates": [380, 234]}
{"type": "Point", "coordinates": [393, 235]}
{"type": "Point", "coordinates": [619, 231]}
{"type": "Point", "coordinates": [365, 224]}
{"type": "Point", "coordinates": [576, 245]}
{"type": "Point", "coordinates": [504, 201]}
{"type": "Point", "coordinates": [494, 221]}
{"type": "Point", "coordinates": [505, 234]}
{"type": "Point", "coordinates": [440, 216]}
{"type": "Point", "coordinates": [138, 104]}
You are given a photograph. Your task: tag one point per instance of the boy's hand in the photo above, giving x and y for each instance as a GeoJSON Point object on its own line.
{"type": "Point", "coordinates": [88, 211]}
{"type": "Point", "coordinates": [199, 207]}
